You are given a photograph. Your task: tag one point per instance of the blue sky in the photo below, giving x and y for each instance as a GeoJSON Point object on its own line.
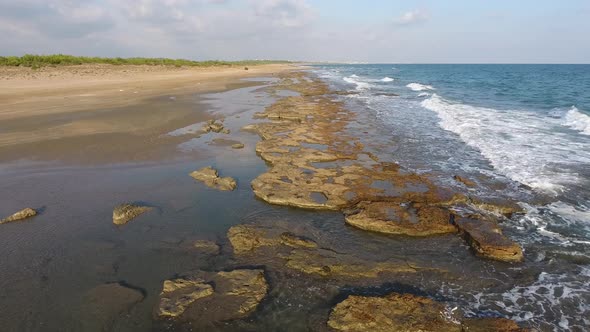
{"type": "Point", "coordinates": [459, 31]}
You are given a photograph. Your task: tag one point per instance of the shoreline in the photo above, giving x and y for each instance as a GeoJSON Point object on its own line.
{"type": "Point", "coordinates": [66, 109]}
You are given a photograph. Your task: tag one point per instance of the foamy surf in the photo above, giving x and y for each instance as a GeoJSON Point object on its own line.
{"type": "Point", "coordinates": [387, 79]}
{"type": "Point", "coordinates": [352, 79]}
{"type": "Point", "coordinates": [419, 87]}
{"type": "Point", "coordinates": [577, 121]}
{"type": "Point", "coordinates": [519, 144]}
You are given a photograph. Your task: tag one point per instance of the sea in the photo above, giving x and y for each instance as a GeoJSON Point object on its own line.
{"type": "Point", "coordinates": [526, 127]}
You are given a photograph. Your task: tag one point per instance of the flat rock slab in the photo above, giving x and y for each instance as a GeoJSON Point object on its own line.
{"type": "Point", "coordinates": [210, 177]}
{"type": "Point", "coordinates": [258, 244]}
{"type": "Point", "coordinates": [205, 298]}
{"type": "Point", "coordinates": [405, 313]}
{"type": "Point", "coordinates": [487, 240]}
{"type": "Point", "coordinates": [20, 215]}
{"type": "Point", "coordinates": [124, 213]}
{"type": "Point", "coordinates": [402, 218]}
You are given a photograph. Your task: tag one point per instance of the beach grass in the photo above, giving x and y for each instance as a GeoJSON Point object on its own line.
{"type": "Point", "coordinates": [38, 61]}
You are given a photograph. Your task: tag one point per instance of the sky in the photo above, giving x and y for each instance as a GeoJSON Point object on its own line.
{"type": "Point", "coordinates": [378, 31]}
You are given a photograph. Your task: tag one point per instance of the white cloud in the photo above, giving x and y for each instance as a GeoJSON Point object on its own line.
{"type": "Point", "coordinates": [411, 17]}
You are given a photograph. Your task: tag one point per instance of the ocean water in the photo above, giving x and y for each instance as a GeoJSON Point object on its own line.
{"type": "Point", "coordinates": [526, 127]}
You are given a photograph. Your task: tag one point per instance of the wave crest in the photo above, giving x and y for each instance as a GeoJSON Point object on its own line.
{"type": "Point", "coordinates": [577, 120]}
{"type": "Point", "coordinates": [419, 87]}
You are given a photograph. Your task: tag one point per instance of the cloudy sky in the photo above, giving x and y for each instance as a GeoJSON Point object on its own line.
{"type": "Point", "coordinates": [460, 31]}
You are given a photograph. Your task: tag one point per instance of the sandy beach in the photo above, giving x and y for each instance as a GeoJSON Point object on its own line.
{"type": "Point", "coordinates": [105, 113]}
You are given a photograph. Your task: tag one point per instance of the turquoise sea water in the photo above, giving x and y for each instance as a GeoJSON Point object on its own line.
{"type": "Point", "coordinates": [525, 126]}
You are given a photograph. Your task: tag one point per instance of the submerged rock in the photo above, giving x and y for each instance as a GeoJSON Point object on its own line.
{"type": "Point", "coordinates": [408, 313]}
{"type": "Point", "coordinates": [205, 246]}
{"type": "Point", "coordinates": [464, 181]}
{"type": "Point", "coordinates": [292, 240]}
{"type": "Point", "coordinates": [405, 218]}
{"type": "Point", "coordinates": [20, 215]}
{"type": "Point", "coordinates": [244, 238]}
{"type": "Point", "coordinates": [288, 250]}
{"type": "Point", "coordinates": [327, 263]}
{"type": "Point", "coordinates": [204, 298]}
{"type": "Point", "coordinates": [210, 177]}
{"type": "Point", "coordinates": [487, 240]}
{"type": "Point", "coordinates": [123, 213]}
{"type": "Point", "coordinates": [178, 294]}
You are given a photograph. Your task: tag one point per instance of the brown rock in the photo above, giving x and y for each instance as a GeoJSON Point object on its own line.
{"type": "Point", "coordinates": [205, 298]}
{"type": "Point", "coordinates": [408, 313]}
{"type": "Point", "coordinates": [406, 219]}
{"type": "Point", "coordinates": [394, 312]}
{"type": "Point", "coordinates": [20, 215]}
{"type": "Point", "coordinates": [486, 238]}
{"type": "Point", "coordinates": [327, 263]}
{"type": "Point", "coordinates": [292, 240]}
{"type": "Point", "coordinates": [237, 146]}
{"type": "Point", "coordinates": [207, 246]}
{"type": "Point", "coordinates": [178, 294]}
{"type": "Point", "coordinates": [244, 238]}
{"type": "Point", "coordinates": [123, 213]}
{"type": "Point", "coordinates": [464, 181]}
{"type": "Point", "coordinates": [491, 325]}
{"type": "Point", "coordinates": [210, 177]}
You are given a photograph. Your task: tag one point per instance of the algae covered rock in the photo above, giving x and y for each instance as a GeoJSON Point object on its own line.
{"type": "Point", "coordinates": [244, 238]}
{"type": "Point", "coordinates": [210, 177]}
{"type": "Point", "coordinates": [406, 219]}
{"type": "Point", "coordinates": [394, 312]}
{"type": "Point", "coordinates": [123, 213]}
{"type": "Point", "coordinates": [206, 246]}
{"type": "Point", "coordinates": [486, 239]}
{"type": "Point", "coordinates": [178, 294]}
{"type": "Point", "coordinates": [204, 298]}
{"type": "Point", "coordinates": [408, 313]}
{"type": "Point", "coordinates": [20, 215]}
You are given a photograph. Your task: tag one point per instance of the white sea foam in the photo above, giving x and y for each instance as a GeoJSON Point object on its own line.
{"type": "Point", "coordinates": [353, 79]}
{"type": "Point", "coordinates": [577, 120]}
{"type": "Point", "coordinates": [419, 87]}
{"type": "Point", "coordinates": [551, 292]}
{"type": "Point", "coordinates": [387, 79]}
{"type": "Point", "coordinates": [522, 145]}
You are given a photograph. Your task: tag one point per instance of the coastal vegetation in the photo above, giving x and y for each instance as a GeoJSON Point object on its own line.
{"type": "Point", "coordinates": [38, 61]}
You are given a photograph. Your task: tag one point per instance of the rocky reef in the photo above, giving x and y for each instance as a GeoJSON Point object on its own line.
{"type": "Point", "coordinates": [317, 163]}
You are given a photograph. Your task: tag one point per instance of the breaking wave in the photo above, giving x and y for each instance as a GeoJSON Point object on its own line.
{"type": "Point", "coordinates": [577, 121]}
{"type": "Point", "coordinates": [419, 87]}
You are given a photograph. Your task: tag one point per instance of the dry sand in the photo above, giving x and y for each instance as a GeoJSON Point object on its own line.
{"type": "Point", "coordinates": [104, 113]}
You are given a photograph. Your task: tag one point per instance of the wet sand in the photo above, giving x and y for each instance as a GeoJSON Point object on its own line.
{"type": "Point", "coordinates": [56, 263]}
{"type": "Point", "coordinates": [106, 113]}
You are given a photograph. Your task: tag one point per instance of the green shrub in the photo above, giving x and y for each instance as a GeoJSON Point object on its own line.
{"type": "Point", "coordinates": [37, 61]}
